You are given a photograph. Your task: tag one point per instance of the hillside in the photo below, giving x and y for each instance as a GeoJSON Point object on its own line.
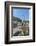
{"type": "Point", "coordinates": [16, 19]}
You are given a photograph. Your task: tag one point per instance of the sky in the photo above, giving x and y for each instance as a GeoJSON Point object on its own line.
{"type": "Point", "coordinates": [23, 14]}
